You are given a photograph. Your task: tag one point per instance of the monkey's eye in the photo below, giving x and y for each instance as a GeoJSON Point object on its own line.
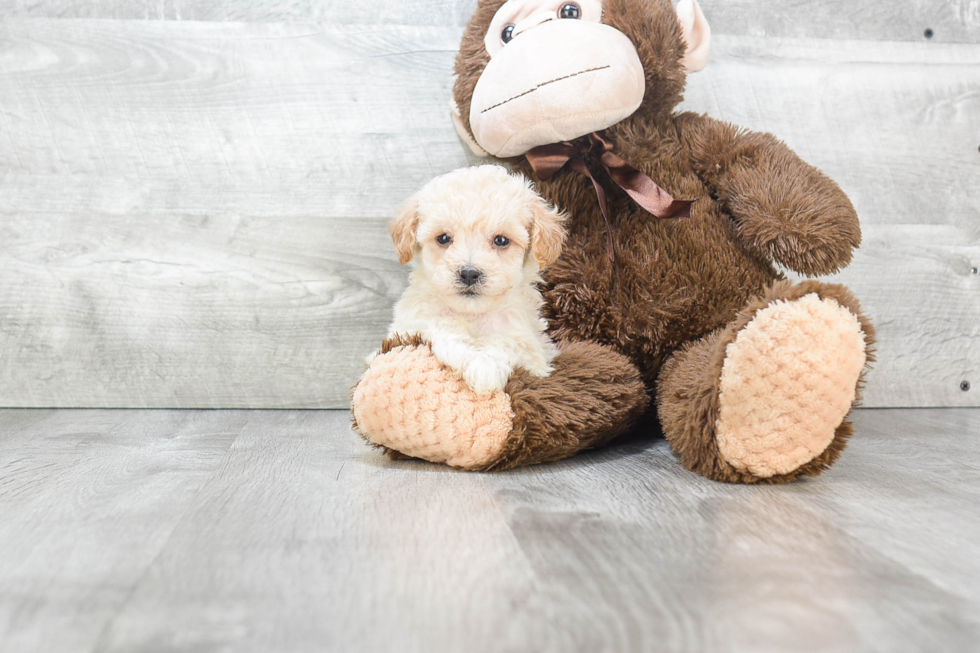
{"type": "Point", "coordinates": [443, 239]}
{"type": "Point", "coordinates": [501, 241]}
{"type": "Point", "coordinates": [570, 10]}
{"type": "Point", "coordinates": [508, 34]}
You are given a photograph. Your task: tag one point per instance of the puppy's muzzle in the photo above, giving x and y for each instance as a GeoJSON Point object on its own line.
{"type": "Point", "coordinates": [470, 276]}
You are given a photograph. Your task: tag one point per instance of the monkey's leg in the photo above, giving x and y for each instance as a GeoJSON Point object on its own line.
{"type": "Point", "coordinates": [765, 400]}
{"type": "Point", "coordinates": [410, 405]}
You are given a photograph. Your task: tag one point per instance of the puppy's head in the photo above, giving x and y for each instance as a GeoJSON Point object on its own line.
{"type": "Point", "coordinates": [476, 234]}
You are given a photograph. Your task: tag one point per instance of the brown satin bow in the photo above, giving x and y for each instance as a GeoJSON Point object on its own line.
{"type": "Point", "coordinates": [546, 160]}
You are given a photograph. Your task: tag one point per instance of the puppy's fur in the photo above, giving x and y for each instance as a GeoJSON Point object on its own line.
{"type": "Point", "coordinates": [489, 325]}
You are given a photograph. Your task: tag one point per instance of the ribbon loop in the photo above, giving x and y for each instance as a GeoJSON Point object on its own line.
{"type": "Point", "coordinates": [547, 160]}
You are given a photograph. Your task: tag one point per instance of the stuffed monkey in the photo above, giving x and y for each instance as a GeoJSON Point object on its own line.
{"type": "Point", "coordinates": [666, 302]}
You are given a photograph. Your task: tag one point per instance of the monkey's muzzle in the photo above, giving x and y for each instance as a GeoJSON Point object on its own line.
{"type": "Point", "coordinates": [559, 81]}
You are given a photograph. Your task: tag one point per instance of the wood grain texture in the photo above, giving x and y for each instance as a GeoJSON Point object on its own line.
{"type": "Point", "coordinates": [89, 500]}
{"type": "Point", "coordinates": [375, 12]}
{"type": "Point", "coordinates": [214, 201]}
{"type": "Point", "coordinates": [192, 310]}
{"type": "Point", "coordinates": [358, 107]}
{"type": "Point", "coordinates": [192, 214]}
{"type": "Point", "coordinates": [899, 20]}
{"type": "Point", "coordinates": [282, 531]}
{"type": "Point", "coordinates": [903, 20]}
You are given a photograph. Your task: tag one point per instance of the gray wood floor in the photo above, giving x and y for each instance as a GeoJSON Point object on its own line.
{"type": "Point", "coordinates": [281, 531]}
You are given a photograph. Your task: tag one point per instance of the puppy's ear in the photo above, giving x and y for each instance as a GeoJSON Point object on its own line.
{"type": "Point", "coordinates": [402, 230]}
{"type": "Point", "coordinates": [547, 232]}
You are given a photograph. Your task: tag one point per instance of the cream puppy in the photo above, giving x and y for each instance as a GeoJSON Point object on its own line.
{"type": "Point", "coordinates": [479, 237]}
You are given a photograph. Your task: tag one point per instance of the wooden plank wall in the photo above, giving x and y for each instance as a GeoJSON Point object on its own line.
{"type": "Point", "coordinates": [193, 194]}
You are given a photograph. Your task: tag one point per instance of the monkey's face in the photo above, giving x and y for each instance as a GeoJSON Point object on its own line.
{"type": "Point", "coordinates": [555, 73]}
{"type": "Point", "coordinates": [556, 70]}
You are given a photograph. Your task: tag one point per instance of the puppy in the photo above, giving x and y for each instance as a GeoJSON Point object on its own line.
{"type": "Point", "coordinates": [479, 237]}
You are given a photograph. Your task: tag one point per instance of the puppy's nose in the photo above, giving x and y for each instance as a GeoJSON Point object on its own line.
{"type": "Point", "coordinates": [469, 276]}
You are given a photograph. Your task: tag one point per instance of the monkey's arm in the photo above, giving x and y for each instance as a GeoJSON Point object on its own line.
{"type": "Point", "coordinates": [784, 207]}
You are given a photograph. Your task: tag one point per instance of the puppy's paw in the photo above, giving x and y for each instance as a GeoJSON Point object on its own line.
{"type": "Point", "coordinates": [452, 353]}
{"type": "Point", "coordinates": [486, 374]}
{"type": "Point", "coordinates": [538, 363]}
{"type": "Point", "coordinates": [541, 369]}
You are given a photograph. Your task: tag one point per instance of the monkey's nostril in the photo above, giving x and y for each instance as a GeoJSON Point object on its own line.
{"type": "Point", "coordinates": [469, 276]}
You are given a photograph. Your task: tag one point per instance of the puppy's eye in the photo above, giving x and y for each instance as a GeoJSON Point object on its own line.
{"type": "Point", "coordinates": [507, 35]}
{"type": "Point", "coordinates": [443, 239]}
{"type": "Point", "coordinates": [570, 10]}
{"type": "Point", "coordinates": [501, 241]}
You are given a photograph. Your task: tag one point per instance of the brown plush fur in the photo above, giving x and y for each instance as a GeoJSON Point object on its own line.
{"type": "Point", "coordinates": [756, 204]}
{"type": "Point", "coordinates": [593, 395]}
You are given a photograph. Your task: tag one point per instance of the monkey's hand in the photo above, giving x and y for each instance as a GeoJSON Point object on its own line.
{"type": "Point", "coordinates": [784, 208]}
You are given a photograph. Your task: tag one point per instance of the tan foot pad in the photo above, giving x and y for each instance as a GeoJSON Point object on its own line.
{"type": "Point", "coordinates": [787, 383]}
{"type": "Point", "coordinates": [409, 402]}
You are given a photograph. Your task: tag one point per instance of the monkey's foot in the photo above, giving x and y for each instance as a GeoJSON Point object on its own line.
{"type": "Point", "coordinates": [765, 399]}
{"type": "Point", "coordinates": [787, 383]}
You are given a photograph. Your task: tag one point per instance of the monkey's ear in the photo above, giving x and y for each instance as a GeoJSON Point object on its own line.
{"type": "Point", "coordinates": [697, 35]}
{"type": "Point", "coordinates": [547, 233]}
{"type": "Point", "coordinates": [403, 228]}
{"type": "Point", "coordinates": [461, 130]}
